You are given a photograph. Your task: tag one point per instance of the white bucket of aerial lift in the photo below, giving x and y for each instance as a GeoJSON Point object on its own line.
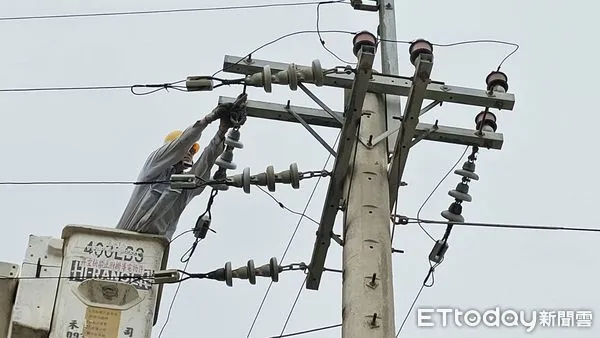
{"type": "Point", "coordinates": [36, 291]}
{"type": "Point", "coordinates": [105, 294]}
{"type": "Point", "coordinates": [9, 273]}
{"type": "Point", "coordinates": [291, 76]}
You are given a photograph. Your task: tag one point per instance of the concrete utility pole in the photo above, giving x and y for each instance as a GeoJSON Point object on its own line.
{"type": "Point", "coordinates": [367, 287]}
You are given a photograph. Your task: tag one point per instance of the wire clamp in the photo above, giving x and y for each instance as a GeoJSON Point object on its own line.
{"type": "Point", "coordinates": [399, 219]}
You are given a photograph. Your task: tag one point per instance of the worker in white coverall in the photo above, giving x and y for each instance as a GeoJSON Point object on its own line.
{"type": "Point", "coordinates": [155, 208]}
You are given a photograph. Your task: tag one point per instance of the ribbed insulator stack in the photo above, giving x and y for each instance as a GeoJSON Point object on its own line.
{"type": "Point", "coordinates": [225, 161]}
{"type": "Point", "coordinates": [461, 193]}
{"type": "Point", "coordinates": [269, 178]}
{"type": "Point", "coordinates": [249, 272]}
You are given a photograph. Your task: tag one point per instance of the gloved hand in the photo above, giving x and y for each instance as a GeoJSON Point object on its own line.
{"type": "Point", "coordinates": [238, 112]}
{"type": "Point", "coordinates": [230, 114]}
{"type": "Point", "coordinates": [225, 124]}
{"type": "Point", "coordinates": [219, 112]}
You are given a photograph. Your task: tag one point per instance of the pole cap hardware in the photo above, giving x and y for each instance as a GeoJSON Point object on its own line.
{"type": "Point", "coordinates": [486, 121]}
{"type": "Point", "coordinates": [497, 78]}
{"type": "Point", "coordinates": [418, 47]}
{"type": "Point", "coordinates": [361, 39]}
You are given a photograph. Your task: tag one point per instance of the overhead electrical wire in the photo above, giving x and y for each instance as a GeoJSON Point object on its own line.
{"type": "Point", "coordinates": [286, 208]}
{"type": "Point", "coordinates": [484, 41]}
{"type": "Point", "coordinates": [260, 307]}
{"type": "Point", "coordinates": [508, 226]}
{"type": "Point", "coordinates": [163, 11]}
{"type": "Point", "coordinates": [81, 182]}
{"type": "Point", "coordinates": [170, 85]}
{"type": "Point", "coordinates": [116, 278]}
{"type": "Point", "coordinates": [468, 42]}
{"type": "Point", "coordinates": [93, 183]}
{"type": "Point", "coordinates": [187, 256]}
{"type": "Point", "coordinates": [6, 90]}
{"type": "Point", "coordinates": [293, 306]}
{"type": "Point", "coordinates": [411, 221]}
{"type": "Point", "coordinates": [308, 331]}
{"type": "Point", "coordinates": [172, 303]}
{"type": "Point", "coordinates": [430, 273]}
{"type": "Point", "coordinates": [300, 32]}
{"type": "Point", "coordinates": [181, 234]}
{"type": "Point", "coordinates": [321, 40]}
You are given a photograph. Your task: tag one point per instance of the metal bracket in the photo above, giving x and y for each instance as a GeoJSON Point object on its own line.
{"type": "Point", "coordinates": [317, 117]}
{"type": "Point", "coordinates": [410, 120]}
{"type": "Point", "coordinates": [425, 134]}
{"type": "Point", "coordinates": [337, 239]}
{"type": "Point", "coordinates": [389, 133]}
{"type": "Point", "coordinates": [310, 129]}
{"type": "Point", "coordinates": [358, 5]}
{"type": "Point", "coordinates": [387, 84]}
{"type": "Point", "coordinates": [366, 143]}
{"type": "Point", "coordinates": [353, 113]}
{"type": "Point", "coordinates": [320, 103]}
{"type": "Point", "coordinates": [430, 107]}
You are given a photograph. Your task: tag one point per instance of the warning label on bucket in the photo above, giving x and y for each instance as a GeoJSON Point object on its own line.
{"type": "Point", "coordinates": [101, 323]}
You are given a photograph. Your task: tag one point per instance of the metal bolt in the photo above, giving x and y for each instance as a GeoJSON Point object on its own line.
{"type": "Point", "coordinates": [374, 321]}
{"type": "Point", "coordinates": [373, 279]}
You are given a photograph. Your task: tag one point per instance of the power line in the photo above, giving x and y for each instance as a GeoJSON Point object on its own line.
{"type": "Point", "coordinates": [467, 42]}
{"type": "Point", "coordinates": [301, 32]}
{"type": "Point", "coordinates": [172, 302]}
{"type": "Point", "coordinates": [181, 234]}
{"type": "Point", "coordinates": [170, 85]}
{"type": "Point", "coordinates": [485, 41]}
{"type": "Point", "coordinates": [82, 182]}
{"type": "Point", "coordinates": [308, 331]}
{"type": "Point", "coordinates": [63, 88]}
{"type": "Point", "coordinates": [156, 87]}
{"type": "Point", "coordinates": [286, 208]}
{"type": "Point", "coordinates": [162, 11]}
{"type": "Point", "coordinates": [132, 88]}
{"type": "Point", "coordinates": [508, 226]}
{"type": "Point", "coordinates": [293, 306]}
{"type": "Point", "coordinates": [319, 32]}
{"type": "Point", "coordinates": [131, 279]}
{"type": "Point", "coordinates": [292, 238]}
{"type": "Point", "coordinates": [424, 285]}
{"type": "Point", "coordinates": [187, 256]}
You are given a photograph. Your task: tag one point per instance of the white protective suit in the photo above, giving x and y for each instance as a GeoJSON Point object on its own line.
{"type": "Point", "coordinates": [156, 208]}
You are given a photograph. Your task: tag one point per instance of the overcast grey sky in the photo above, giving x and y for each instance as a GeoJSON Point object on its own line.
{"type": "Point", "coordinates": [545, 174]}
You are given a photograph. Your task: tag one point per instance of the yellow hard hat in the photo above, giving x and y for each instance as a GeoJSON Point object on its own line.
{"type": "Point", "coordinates": [172, 136]}
{"type": "Point", "coordinates": [175, 134]}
